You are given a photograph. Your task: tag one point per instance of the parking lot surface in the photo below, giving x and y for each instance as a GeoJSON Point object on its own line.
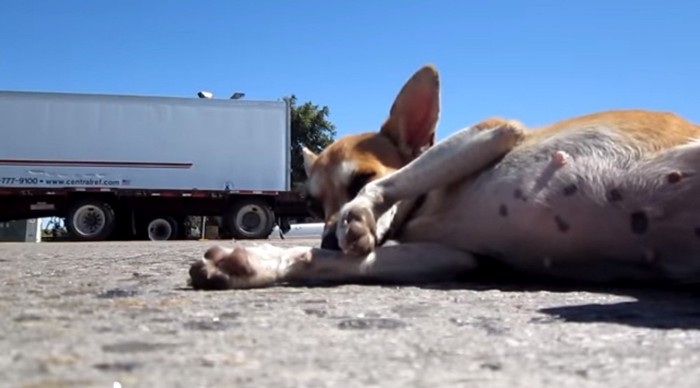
{"type": "Point", "coordinates": [121, 314]}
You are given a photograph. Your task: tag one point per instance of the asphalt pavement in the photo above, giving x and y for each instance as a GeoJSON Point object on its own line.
{"type": "Point", "coordinates": [120, 314]}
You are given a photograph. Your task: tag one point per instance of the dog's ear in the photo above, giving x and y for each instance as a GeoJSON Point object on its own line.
{"type": "Point", "coordinates": [309, 159]}
{"type": "Point", "coordinates": [415, 112]}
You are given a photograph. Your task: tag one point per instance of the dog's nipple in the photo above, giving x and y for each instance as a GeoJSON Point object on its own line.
{"type": "Point", "coordinates": [560, 158]}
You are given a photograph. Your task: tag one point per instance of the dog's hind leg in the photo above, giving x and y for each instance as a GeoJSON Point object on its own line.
{"type": "Point", "coordinates": [460, 155]}
{"type": "Point", "coordinates": [261, 266]}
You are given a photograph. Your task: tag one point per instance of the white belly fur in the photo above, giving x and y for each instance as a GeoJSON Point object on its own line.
{"type": "Point", "coordinates": [609, 212]}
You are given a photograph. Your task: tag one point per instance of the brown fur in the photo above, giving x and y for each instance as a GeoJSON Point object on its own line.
{"type": "Point", "coordinates": [647, 130]}
{"type": "Point", "coordinates": [372, 152]}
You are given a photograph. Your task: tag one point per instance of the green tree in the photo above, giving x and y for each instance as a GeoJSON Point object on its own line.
{"type": "Point", "coordinates": [311, 129]}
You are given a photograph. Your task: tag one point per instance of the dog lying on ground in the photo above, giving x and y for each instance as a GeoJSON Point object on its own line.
{"type": "Point", "coordinates": [606, 197]}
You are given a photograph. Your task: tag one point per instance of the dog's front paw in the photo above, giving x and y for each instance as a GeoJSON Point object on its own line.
{"type": "Point", "coordinates": [227, 268]}
{"type": "Point", "coordinates": [357, 230]}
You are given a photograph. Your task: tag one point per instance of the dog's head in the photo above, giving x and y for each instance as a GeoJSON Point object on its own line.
{"type": "Point", "coordinates": [338, 173]}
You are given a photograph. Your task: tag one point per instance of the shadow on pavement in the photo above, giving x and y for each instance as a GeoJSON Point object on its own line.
{"type": "Point", "coordinates": [656, 306]}
{"type": "Point", "coordinates": [671, 311]}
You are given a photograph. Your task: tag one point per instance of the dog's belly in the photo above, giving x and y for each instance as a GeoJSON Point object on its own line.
{"type": "Point", "coordinates": [597, 216]}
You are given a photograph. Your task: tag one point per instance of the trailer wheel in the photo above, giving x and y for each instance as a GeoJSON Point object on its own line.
{"type": "Point", "coordinates": [251, 219]}
{"type": "Point", "coordinates": [90, 220]}
{"type": "Point", "coordinates": [162, 229]}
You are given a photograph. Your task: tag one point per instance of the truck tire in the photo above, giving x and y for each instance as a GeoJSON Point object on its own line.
{"type": "Point", "coordinates": [90, 220]}
{"type": "Point", "coordinates": [162, 229]}
{"type": "Point", "coordinates": [250, 219]}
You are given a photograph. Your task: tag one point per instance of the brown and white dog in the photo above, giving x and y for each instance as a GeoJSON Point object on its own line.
{"type": "Point", "coordinates": [612, 196]}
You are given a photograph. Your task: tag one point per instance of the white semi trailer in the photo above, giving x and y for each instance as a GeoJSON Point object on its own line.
{"type": "Point", "coordinates": [139, 165]}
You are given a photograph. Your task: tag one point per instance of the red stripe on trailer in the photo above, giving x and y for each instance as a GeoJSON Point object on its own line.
{"type": "Point", "coordinates": [93, 163]}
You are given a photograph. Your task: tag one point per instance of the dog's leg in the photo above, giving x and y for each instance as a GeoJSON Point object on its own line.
{"type": "Point", "coordinates": [456, 157]}
{"type": "Point", "coordinates": [250, 267]}
{"type": "Point", "coordinates": [460, 155]}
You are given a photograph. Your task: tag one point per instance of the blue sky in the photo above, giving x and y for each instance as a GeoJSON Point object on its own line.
{"type": "Point", "coordinates": [537, 61]}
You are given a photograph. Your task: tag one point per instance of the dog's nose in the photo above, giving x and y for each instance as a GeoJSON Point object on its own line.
{"type": "Point", "coordinates": [330, 241]}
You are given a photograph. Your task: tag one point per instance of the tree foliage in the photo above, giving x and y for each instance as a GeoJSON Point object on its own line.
{"type": "Point", "coordinates": [311, 129]}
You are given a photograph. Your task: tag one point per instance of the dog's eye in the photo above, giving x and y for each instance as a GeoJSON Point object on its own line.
{"type": "Point", "coordinates": [315, 207]}
{"type": "Point", "coordinates": [359, 181]}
